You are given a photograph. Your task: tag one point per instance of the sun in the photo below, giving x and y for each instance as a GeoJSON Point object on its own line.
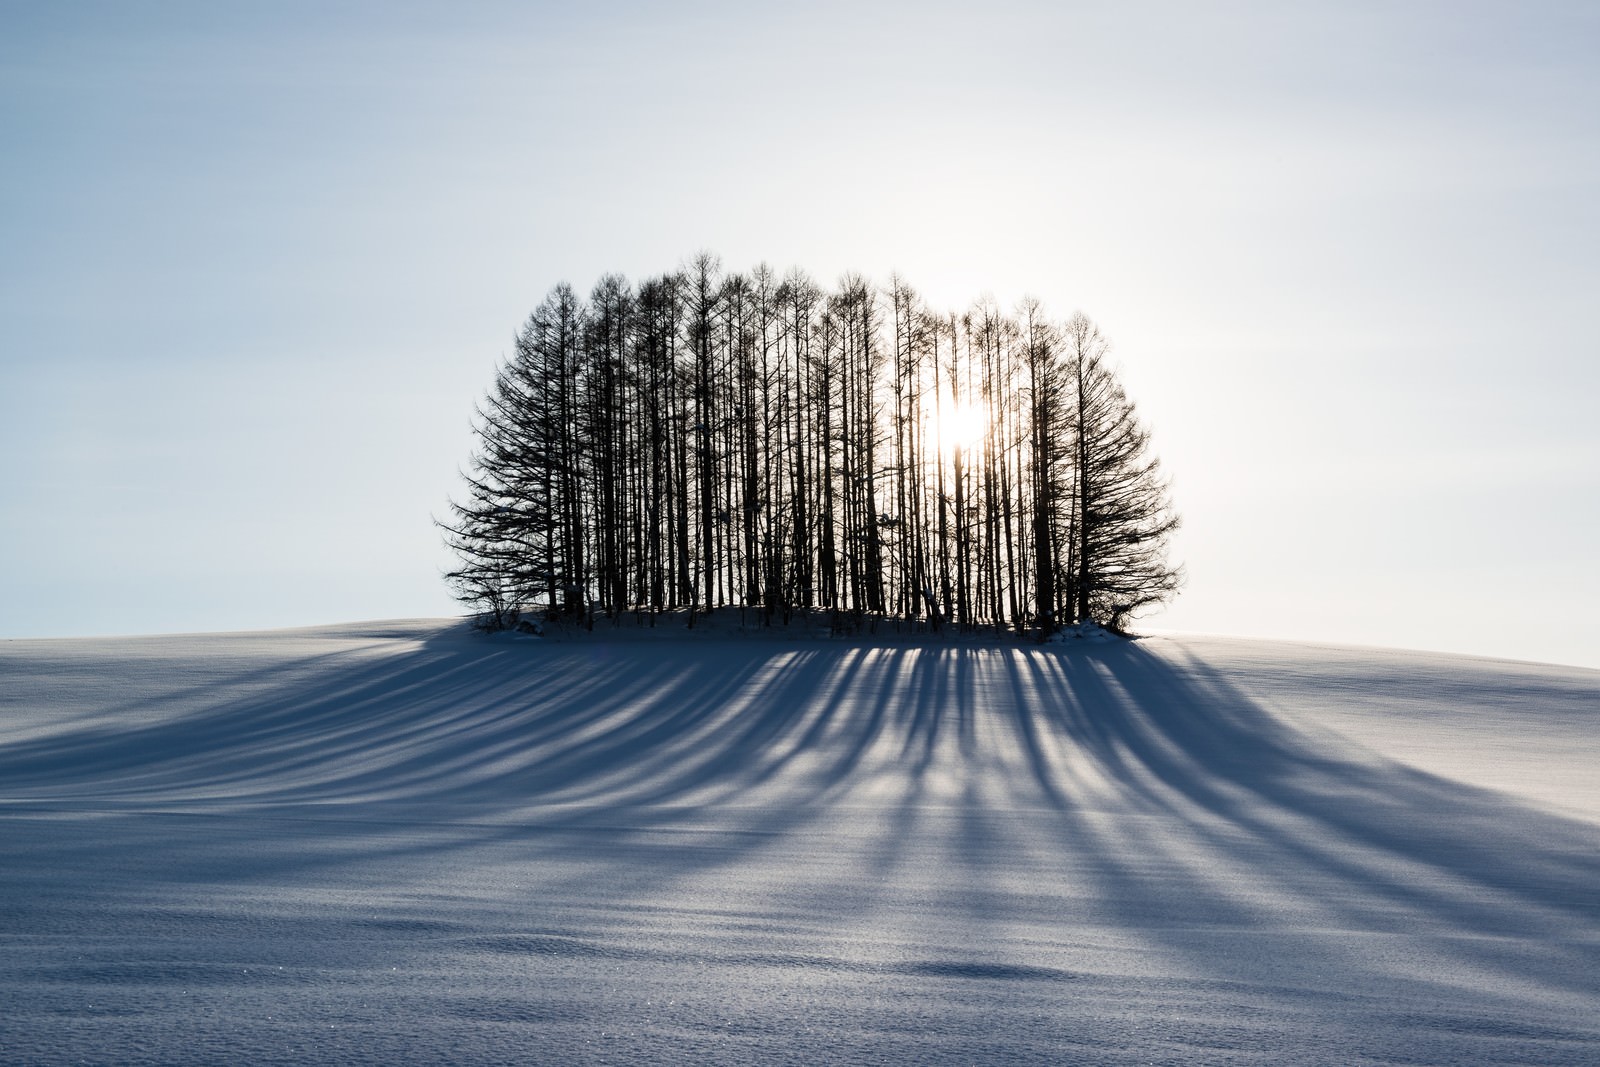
{"type": "Point", "coordinates": [960, 426]}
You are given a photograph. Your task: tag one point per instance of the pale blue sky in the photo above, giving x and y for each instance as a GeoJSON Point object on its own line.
{"type": "Point", "coordinates": [257, 265]}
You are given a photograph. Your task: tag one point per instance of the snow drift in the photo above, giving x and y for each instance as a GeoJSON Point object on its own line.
{"type": "Point", "coordinates": [409, 842]}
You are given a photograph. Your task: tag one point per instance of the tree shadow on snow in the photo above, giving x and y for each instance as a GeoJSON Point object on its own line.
{"type": "Point", "coordinates": [1152, 788]}
{"type": "Point", "coordinates": [1252, 822]}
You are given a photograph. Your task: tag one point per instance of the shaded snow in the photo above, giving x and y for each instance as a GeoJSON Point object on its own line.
{"type": "Point", "coordinates": [1089, 631]}
{"type": "Point", "coordinates": [405, 842]}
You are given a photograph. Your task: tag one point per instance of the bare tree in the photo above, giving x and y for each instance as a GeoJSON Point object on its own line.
{"type": "Point", "coordinates": [711, 438]}
{"type": "Point", "coordinates": [1121, 518]}
{"type": "Point", "coordinates": [518, 536]}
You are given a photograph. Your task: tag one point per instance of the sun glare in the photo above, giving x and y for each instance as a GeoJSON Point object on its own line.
{"type": "Point", "coordinates": [960, 426]}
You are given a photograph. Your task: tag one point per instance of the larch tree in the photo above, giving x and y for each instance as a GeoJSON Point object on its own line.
{"type": "Point", "coordinates": [514, 534]}
{"type": "Point", "coordinates": [1121, 519]}
{"type": "Point", "coordinates": [711, 438]}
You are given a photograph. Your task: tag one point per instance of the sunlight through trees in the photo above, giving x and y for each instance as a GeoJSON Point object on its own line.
{"type": "Point", "coordinates": [707, 438]}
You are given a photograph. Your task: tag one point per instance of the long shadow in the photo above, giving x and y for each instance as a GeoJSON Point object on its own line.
{"type": "Point", "coordinates": [1255, 814]}
{"type": "Point", "coordinates": [1210, 744]}
{"type": "Point", "coordinates": [508, 742]}
{"type": "Point", "coordinates": [1093, 763]}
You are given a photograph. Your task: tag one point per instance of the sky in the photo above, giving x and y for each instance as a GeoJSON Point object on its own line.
{"type": "Point", "coordinates": [259, 262]}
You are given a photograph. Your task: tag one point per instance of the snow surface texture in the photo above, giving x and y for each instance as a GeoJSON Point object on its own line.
{"type": "Point", "coordinates": [410, 843]}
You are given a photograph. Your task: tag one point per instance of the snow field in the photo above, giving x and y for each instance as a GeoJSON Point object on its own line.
{"type": "Point", "coordinates": [407, 842]}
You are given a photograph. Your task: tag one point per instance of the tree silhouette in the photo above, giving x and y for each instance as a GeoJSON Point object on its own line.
{"type": "Point", "coordinates": [1120, 518]}
{"type": "Point", "coordinates": [708, 439]}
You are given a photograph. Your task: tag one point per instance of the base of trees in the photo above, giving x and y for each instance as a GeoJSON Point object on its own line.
{"type": "Point", "coordinates": [805, 624]}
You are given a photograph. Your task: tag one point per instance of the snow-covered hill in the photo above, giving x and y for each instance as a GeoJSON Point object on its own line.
{"type": "Point", "coordinates": [406, 842]}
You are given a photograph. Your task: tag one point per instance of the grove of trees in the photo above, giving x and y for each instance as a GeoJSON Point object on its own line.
{"type": "Point", "coordinates": [708, 439]}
